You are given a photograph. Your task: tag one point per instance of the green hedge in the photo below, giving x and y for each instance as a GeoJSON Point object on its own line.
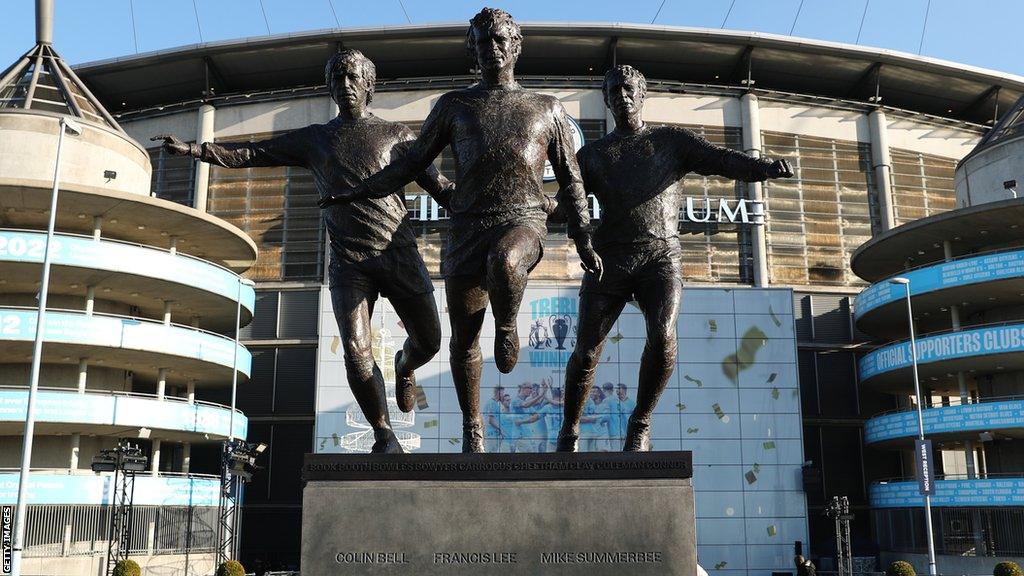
{"type": "Point", "coordinates": [231, 568]}
{"type": "Point", "coordinates": [127, 568]}
{"type": "Point", "coordinates": [900, 568]}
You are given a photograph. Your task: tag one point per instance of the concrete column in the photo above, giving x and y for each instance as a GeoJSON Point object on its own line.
{"type": "Point", "coordinates": [83, 374]}
{"type": "Point", "coordinates": [167, 312]}
{"type": "Point", "coordinates": [207, 114]}
{"type": "Point", "coordinates": [882, 163]}
{"type": "Point", "coordinates": [66, 544]}
{"type": "Point", "coordinates": [751, 115]}
{"type": "Point", "coordinates": [90, 299]}
{"type": "Point", "coordinates": [76, 443]}
{"type": "Point", "coordinates": [97, 227]}
{"type": "Point", "coordinates": [161, 383]}
{"type": "Point", "coordinates": [186, 456]}
{"type": "Point", "coordinates": [154, 464]}
{"type": "Point", "coordinates": [191, 391]}
{"type": "Point", "coordinates": [173, 249]}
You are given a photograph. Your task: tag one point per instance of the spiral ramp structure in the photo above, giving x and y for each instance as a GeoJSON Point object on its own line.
{"type": "Point", "coordinates": [964, 271]}
{"type": "Point", "coordinates": [143, 299]}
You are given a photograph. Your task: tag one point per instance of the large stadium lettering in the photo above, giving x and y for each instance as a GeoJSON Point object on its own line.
{"type": "Point", "coordinates": [423, 208]}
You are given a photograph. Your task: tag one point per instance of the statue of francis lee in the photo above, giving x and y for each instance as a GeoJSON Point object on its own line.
{"type": "Point", "coordinates": [373, 247]}
{"type": "Point", "coordinates": [500, 135]}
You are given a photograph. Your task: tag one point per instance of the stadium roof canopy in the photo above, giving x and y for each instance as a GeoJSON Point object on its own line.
{"type": "Point", "coordinates": [560, 50]}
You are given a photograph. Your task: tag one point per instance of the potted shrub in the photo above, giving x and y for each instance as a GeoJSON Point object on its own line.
{"type": "Point", "coordinates": [130, 568]}
{"type": "Point", "coordinates": [231, 568]}
{"type": "Point", "coordinates": [1007, 569]}
{"type": "Point", "coordinates": [900, 568]}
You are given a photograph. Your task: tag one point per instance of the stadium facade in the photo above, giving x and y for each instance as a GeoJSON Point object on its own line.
{"type": "Point", "coordinates": [767, 392]}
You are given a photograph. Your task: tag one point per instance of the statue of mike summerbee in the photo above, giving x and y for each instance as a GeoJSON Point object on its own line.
{"type": "Point", "coordinates": [500, 135]}
{"type": "Point", "coordinates": [636, 173]}
{"type": "Point", "coordinates": [373, 247]}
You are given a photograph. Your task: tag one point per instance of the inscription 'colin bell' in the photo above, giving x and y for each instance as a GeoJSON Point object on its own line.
{"type": "Point", "coordinates": [371, 558]}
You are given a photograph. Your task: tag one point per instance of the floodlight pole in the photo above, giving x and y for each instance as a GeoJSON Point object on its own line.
{"type": "Point", "coordinates": [932, 570]}
{"type": "Point", "coordinates": [21, 507]}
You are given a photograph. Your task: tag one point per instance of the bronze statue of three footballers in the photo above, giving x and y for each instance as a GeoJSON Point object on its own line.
{"type": "Point", "coordinates": [500, 135]}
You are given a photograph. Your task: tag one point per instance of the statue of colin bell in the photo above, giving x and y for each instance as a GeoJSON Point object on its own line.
{"type": "Point", "coordinates": [636, 173]}
{"type": "Point", "coordinates": [373, 247]}
{"type": "Point", "coordinates": [500, 135]}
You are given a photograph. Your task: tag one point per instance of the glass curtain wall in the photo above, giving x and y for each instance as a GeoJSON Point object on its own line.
{"type": "Point", "coordinates": [277, 208]}
{"type": "Point", "coordinates": [922, 185]}
{"type": "Point", "coordinates": [173, 176]}
{"type": "Point", "coordinates": [816, 219]}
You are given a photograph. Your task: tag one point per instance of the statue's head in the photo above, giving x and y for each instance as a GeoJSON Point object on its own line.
{"type": "Point", "coordinates": [624, 90]}
{"type": "Point", "coordinates": [350, 78]}
{"type": "Point", "coordinates": [799, 560]}
{"type": "Point", "coordinates": [494, 40]}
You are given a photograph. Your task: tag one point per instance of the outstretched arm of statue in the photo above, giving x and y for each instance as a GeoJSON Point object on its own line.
{"type": "Point", "coordinates": [405, 168]}
{"type": "Point", "coordinates": [707, 159]}
{"type": "Point", "coordinates": [285, 150]}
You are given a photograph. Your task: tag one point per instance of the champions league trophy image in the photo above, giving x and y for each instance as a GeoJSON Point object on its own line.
{"type": "Point", "coordinates": [636, 173]}
{"type": "Point", "coordinates": [373, 247]}
{"type": "Point", "coordinates": [501, 136]}
{"type": "Point", "coordinates": [560, 328]}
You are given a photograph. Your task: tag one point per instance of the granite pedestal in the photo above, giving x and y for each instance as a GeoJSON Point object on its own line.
{"type": "Point", "coordinates": [587, 514]}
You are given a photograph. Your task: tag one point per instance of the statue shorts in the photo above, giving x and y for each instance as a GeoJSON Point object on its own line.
{"type": "Point", "coordinates": [631, 269]}
{"type": "Point", "coordinates": [395, 273]}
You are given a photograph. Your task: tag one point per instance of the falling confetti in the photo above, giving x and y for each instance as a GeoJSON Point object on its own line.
{"type": "Point", "coordinates": [323, 442]}
{"type": "Point", "coordinates": [421, 398]}
{"type": "Point", "coordinates": [769, 445]}
{"type": "Point", "coordinates": [430, 424]}
{"type": "Point", "coordinates": [753, 340]}
{"type": "Point", "coordinates": [750, 476]}
{"type": "Point", "coordinates": [713, 325]}
{"type": "Point", "coordinates": [454, 441]}
{"type": "Point", "coordinates": [680, 406]}
{"type": "Point", "coordinates": [772, 530]}
{"type": "Point", "coordinates": [616, 337]}
{"type": "Point", "coordinates": [336, 438]}
{"type": "Point", "coordinates": [692, 430]}
{"type": "Point", "coordinates": [721, 565]}
{"type": "Point", "coordinates": [756, 468]}
{"type": "Point", "coordinates": [718, 411]}
{"type": "Point", "coordinates": [335, 342]}
{"type": "Point", "coordinates": [775, 393]}
{"type": "Point", "coordinates": [772, 377]}
{"type": "Point", "coordinates": [697, 381]}
{"type": "Point", "coordinates": [775, 319]}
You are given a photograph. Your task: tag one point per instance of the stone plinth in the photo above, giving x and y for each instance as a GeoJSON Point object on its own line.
{"type": "Point", "coordinates": [488, 514]}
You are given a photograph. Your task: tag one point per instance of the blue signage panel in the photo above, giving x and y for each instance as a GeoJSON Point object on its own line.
{"type": "Point", "coordinates": [997, 492]}
{"type": "Point", "coordinates": [116, 410]}
{"type": "Point", "coordinates": [127, 333]}
{"type": "Point", "coordinates": [946, 419]}
{"type": "Point", "coordinates": [963, 272]}
{"type": "Point", "coordinates": [23, 246]}
{"type": "Point", "coordinates": [963, 344]}
{"type": "Point", "coordinates": [925, 468]}
{"type": "Point", "coordinates": [49, 488]}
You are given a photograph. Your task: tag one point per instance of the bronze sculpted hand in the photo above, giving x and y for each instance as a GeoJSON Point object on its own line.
{"type": "Point", "coordinates": [780, 169]}
{"type": "Point", "coordinates": [589, 260]}
{"type": "Point", "coordinates": [175, 147]}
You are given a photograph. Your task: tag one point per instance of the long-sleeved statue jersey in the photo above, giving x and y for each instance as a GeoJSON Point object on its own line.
{"type": "Point", "coordinates": [500, 138]}
{"type": "Point", "coordinates": [341, 154]}
{"type": "Point", "coordinates": [637, 178]}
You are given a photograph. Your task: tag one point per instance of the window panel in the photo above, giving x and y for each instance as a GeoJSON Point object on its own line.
{"type": "Point", "coordinates": [922, 185]}
{"type": "Point", "coordinates": [173, 176]}
{"type": "Point", "coordinates": [816, 219]}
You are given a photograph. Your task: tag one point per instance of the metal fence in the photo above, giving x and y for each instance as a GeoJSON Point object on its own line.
{"type": "Point", "coordinates": [76, 530]}
{"type": "Point", "coordinates": [964, 531]}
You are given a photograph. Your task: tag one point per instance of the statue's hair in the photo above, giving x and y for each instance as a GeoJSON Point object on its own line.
{"type": "Point", "coordinates": [343, 59]}
{"type": "Point", "coordinates": [625, 73]}
{"type": "Point", "coordinates": [491, 18]}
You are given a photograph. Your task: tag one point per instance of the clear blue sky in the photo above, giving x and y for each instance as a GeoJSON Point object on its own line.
{"type": "Point", "coordinates": [983, 33]}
